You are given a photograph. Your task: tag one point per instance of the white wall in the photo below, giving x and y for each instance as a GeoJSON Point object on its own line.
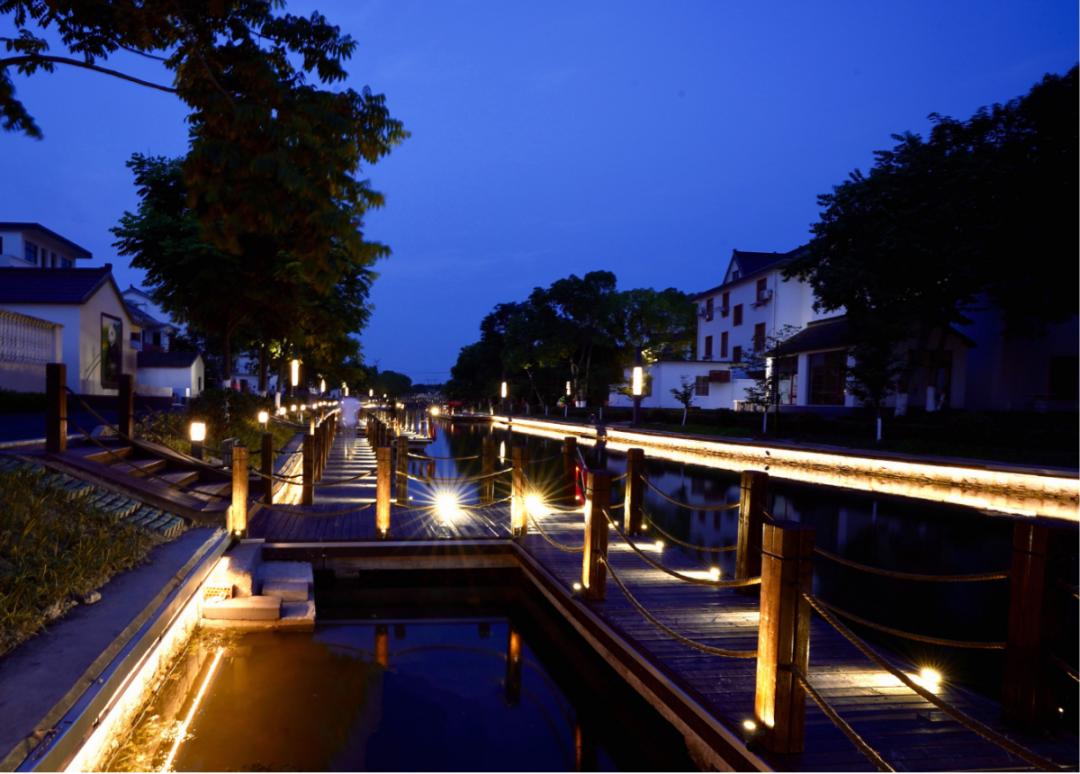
{"type": "Point", "coordinates": [14, 252]}
{"type": "Point", "coordinates": [668, 375]}
{"type": "Point", "coordinates": [177, 381]}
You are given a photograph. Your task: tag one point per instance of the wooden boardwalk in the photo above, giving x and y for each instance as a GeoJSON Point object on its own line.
{"type": "Point", "coordinates": [906, 730]}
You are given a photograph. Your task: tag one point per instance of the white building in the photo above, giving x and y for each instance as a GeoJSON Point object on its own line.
{"type": "Point", "coordinates": [32, 246]}
{"type": "Point", "coordinates": [156, 328]}
{"type": "Point", "coordinates": [94, 321]}
{"type": "Point", "coordinates": [170, 374]}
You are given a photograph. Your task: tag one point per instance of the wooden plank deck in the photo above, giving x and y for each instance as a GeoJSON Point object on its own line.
{"type": "Point", "coordinates": [905, 729]}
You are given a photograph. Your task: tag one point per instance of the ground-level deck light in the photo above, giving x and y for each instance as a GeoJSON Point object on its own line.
{"type": "Point", "coordinates": [264, 418]}
{"type": "Point", "coordinates": [447, 506]}
{"type": "Point", "coordinates": [929, 678]}
{"type": "Point", "coordinates": [197, 436]}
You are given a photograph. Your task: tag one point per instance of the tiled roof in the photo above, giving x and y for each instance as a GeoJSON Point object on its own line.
{"type": "Point", "coordinates": [751, 263]}
{"type": "Point", "coordinates": [51, 286]}
{"type": "Point", "coordinates": [142, 319]}
{"type": "Point", "coordinates": [833, 333]}
{"type": "Point", "coordinates": [166, 359]}
{"type": "Point", "coordinates": [76, 250]}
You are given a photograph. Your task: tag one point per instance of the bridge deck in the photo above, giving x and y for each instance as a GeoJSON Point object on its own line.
{"type": "Point", "coordinates": [905, 729]}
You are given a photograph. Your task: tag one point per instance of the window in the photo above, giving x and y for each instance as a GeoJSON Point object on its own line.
{"type": "Point", "coordinates": [30, 252]}
{"type": "Point", "coordinates": [759, 337]}
{"type": "Point", "coordinates": [701, 385]}
{"type": "Point", "coordinates": [736, 354]}
{"type": "Point", "coordinates": [53, 263]}
{"type": "Point", "coordinates": [723, 345]}
{"type": "Point", "coordinates": [708, 309]}
{"type": "Point", "coordinates": [827, 371]}
{"type": "Point", "coordinates": [724, 303]}
{"type": "Point", "coordinates": [1, 245]}
{"type": "Point", "coordinates": [762, 286]}
{"type": "Point", "coordinates": [65, 262]}
{"type": "Point", "coordinates": [707, 355]}
{"type": "Point", "coordinates": [737, 315]}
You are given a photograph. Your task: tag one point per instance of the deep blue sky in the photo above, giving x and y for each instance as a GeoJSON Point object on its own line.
{"type": "Point", "coordinates": [555, 138]}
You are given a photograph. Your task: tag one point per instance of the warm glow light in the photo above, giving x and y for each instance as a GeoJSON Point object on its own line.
{"type": "Point", "coordinates": [568, 389]}
{"type": "Point", "coordinates": [534, 504]}
{"type": "Point", "coordinates": [434, 411]}
{"type": "Point", "coordinates": [371, 392]}
{"type": "Point", "coordinates": [714, 573]}
{"type": "Point", "coordinates": [181, 732]}
{"type": "Point", "coordinates": [264, 417]}
{"type": "Point", "coordinates": [929, 678]}
{"type": "Point", "coordinates": [638, 381]}
{"type": "Point", "coordinates": [447, 507]}
{"type": "Point", "coordinates": [292, 408]}
{"type": "Point", "coordinates": [659, 545]}
{"type": "Point", "coordinates": [577, 586]}
{"type": "Point", "coordinates": [197, 432]}
{"type": "Point", "coordinates": [502, 451]}
{"type": "Point", "coordinates": [345, 389]}
{"type": "Point", "coordinates": [294, 372]}
{"type": "Point", "coordinates": [502, 390]}
{"type": "Point", "coordinates": [749, 725]}
{"type": "Point", "coordinates": [322, 386]}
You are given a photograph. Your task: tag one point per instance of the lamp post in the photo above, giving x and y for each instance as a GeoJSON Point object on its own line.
{"type": "Point", "coordinates": [636, 385]}
{"type": "Point", "coordinates": [503, 392]}
{"type": "Point", "coordinates": [197, 435]}
{"type": "Point", "coordinates": [566, 406]}
{"type": "Point", "coordinates": [294, 375]}
{"type": "Point", "coordinates": [264, 418]}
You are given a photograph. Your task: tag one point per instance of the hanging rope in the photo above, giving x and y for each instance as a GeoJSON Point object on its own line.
{"type": "Point", "coordinates": [966, 721]}
{"type": "Point", "coordinates": [701, 646]}
{"type": "Point", "coordinates": [683, 543]}
{"type": "Point", "coordinates": [839, 722]}
{"type": "Point", "coordinates": [1068, 670]}
{"type": "Point", "coordinates": [452, 480]}
{"type": "Point", "coordinates": [556, 543]}
{"type": "Point", "coordinates": [912, 576]}
{"type": "Point", "coordinates": [432, 458]}
{"type": "Point", "coordinates": [308, 510]}
{"type": "Point", "coordinates": [349, 480]}
{"type": "Point", "coordinates": [675, 573]}
{"type": "Point", "coordinates": [912, 636]}
{"type": "Point", "coordinates": [688, 506]}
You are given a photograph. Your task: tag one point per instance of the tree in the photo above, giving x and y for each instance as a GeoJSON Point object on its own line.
{"type": "Point", "coordinates": [938, 226]}
{"type": "Point", "coordinates": [765, 391]}
{"type": "Point", "coordinates": [685, 395]}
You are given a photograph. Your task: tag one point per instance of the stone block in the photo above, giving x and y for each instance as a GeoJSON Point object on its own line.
{"type": "Point", "coordinates": [243, 609]}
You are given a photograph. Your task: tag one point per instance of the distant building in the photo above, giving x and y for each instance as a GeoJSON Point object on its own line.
{"type": "Point", "coordinates": [173, 374]}
{"type": "Point", "coordinates": [32, 246]}
{"type": "Point", "coordinates": [95, 325]}
{"type": "Point", "coordinates": [156, 328]}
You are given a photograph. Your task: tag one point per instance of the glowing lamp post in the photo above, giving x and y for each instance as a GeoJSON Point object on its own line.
{"type": "Point", "coordinates": [294, 374]}
{"type": "Point", "coordinates": [566, 406]}
{"type": "Point", "coordinates": [503, 392]}
{"type": "Point", "coordinates": [264, 417]}
{"type": "Point", "coordinates": [637, 384]}
{"type": "Point", "coordinates": [322, 386]}
{"type": "Point", "coordinates": [344, 390]}
{"type": "Point", "coordinates": [197, 436]}
{"type": "Point", "coordinates": [371, 392]}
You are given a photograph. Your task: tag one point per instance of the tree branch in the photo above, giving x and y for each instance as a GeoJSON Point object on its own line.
{"type": "Point", "coordinates": [39, 59]}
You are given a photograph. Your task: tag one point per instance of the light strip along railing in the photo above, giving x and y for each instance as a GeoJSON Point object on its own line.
{"type": "Point", "coordinates": [965, 720]}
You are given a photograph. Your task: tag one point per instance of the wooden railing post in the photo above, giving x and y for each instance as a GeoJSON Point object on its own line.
{"type": "Point", "coordinates": [125, 406]}
{"type": "Point", "coordinates": [266, 467]}
{"type": "Point", "coordinates": [635, 491]}
{"type": "Point", "coordinates": [487, 470]}
{"type": "Point", "coordinates": [382, 490]}
{"type": "Point", "coordinates": [783, 634]}
{"type": "Point", "coordinates": [402, 470]}
{"type": "Point", "coordinates": [569, 466]}
{"type": "Point", "coordinates": [513, 667]}
{"type": "Point", "coordinates": [519, 521]}
{"type": "Point", "coordinates": [56, 416]}
{"type": "Point", "coordinates": [238, 510]}
{"type": "Point", "coordinates": [597, 504]}
{"type": "Point", "coordinates": [752, 489]}
{"type": "Point", "coordinates": [307, 491]}
{"type": "Point", "coordinates": [1025, 695]}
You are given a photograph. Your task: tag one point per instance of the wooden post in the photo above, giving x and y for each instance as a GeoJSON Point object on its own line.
{"type": "Point", "coordinates": [267, 467]}
{"type": "Point", "coordinates": [487, 470]}
{"type": "Point", "coordinates": [238, 510]}
{"type": "Point", "coordinates": [382, 645]}
{"type": "Point", "coordinates": [635, 491]}
{"type": "Point", "coordinates": [307, 492]}
{"type": "Point", "coordinates": [513, 667]}
{"type": "Point", "coordinates": [519, 519]}
{"type": "Point", "coordinates": [55, 408]}
{"type": "Point", "coordinates": [752, 488]}
{"type": "Point", "coordinates": [569, 466]}
{"type": "Point", "coordinates": [597, 503]}
{"type": "Point", "coordinates": [1025, 696]}
{"type": "Point", "coordinates": [382, 490]}
{"type": "Point", "coordinates": [125, 406]}
{"type": "Point", "coordinates": [402, 470]}
{"type": "Point", "coordinates": [783, 634]}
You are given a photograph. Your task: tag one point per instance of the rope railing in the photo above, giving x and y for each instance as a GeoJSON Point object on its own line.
{"type": "Point", "coordinates": [968, 722]}
{"type": "Point", "coordinates": [689, 642]}
{"type": "Point", "coordinates": [872, 755]}
{"type": "Point", "coordinates": [689, 506]}
{"type": "Point", "coordinates": [911, 576]}
{"type": "Point", "coordinates": [307, 510]}
{"type": "Point", "coordinates": [668, 536]}
{"type": "Point", "coordinates": [431, 458]}
{"type": "Point", "coordinates": [566, 547]}
{"type": "Point", "coordinates": [454, 479]}
{"type": "Point", "coordinates": [1064, 667]}
{"type": "Point", "coordinates": [923, 638]}
{"type": "Point", "coordinates": [738, 583]}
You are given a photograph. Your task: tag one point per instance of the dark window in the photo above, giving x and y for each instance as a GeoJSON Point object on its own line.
{"type": "Point", "coordinates": [157, 338]}
{"type": "Point", "coordinates": [827, 378]}
{"type": "Point", "coordinates": [708, 349]}
{"type": "Point", "coordinates": [736, 354]}
{"type": "Point", "coordinates": [65, 263]}
{"type": "Point", "coordinates": [1063, 377]}
{"type": "Point", "coordinates": [701, 385]}
{"type": "Point", "coordinates": [737, 315]}
{"type": "Point", "coordinates": [723, 345]}
{"type": "Point", "coordinates": [708, 309]}
{"type": "Point", "coordinates": [30, 252]}
{"type": "Point", "coordinates": [759, 337]}
{"type": "Point", "coordinates": [53, 263]}
{"type": "Point", "coordinates": [1, 245]}
{"type": "Point", "coordinates": [762, 286]}
{"type": "Point", "coordinates": [724, 299]}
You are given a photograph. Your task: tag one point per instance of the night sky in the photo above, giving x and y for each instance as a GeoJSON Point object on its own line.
{"type": "Point", "coordinates": [554, 138]}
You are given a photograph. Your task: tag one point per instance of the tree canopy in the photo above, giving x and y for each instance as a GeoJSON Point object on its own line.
{"type": "Point", "coordinates": [982, 209]}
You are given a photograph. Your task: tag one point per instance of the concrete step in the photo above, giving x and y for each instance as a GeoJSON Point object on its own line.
{"type": "Point", "coordinates": [180, 477]}
{"type": "Point", "coordinates": [139, 467]}
{"type": "Point", "coordinates": [290, 572]}
{"type": "Point", "coordinates": [239, 569]}
{"type": "Point", "coordinates": [259, 608]}
{"type": "Point", "coordinates": [286, 591]}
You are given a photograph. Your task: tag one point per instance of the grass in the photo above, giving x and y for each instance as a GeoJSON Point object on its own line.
{"type": "Point", "coordinates": [54, 550]}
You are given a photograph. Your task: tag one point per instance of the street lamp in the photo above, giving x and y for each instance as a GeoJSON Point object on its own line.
{"type": "Point", "coordinates": [502, 395]}
{"type": "Point", "coordinates": [566, 406]}
{"type": "Point", "coordinates": [294, 374]}
{"type": "Point", "coordinates": [264, 417]}
{"type": "Point", "coordinates": [637, 382]}
{"type": "Point", "coordinates": [322, 386]}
